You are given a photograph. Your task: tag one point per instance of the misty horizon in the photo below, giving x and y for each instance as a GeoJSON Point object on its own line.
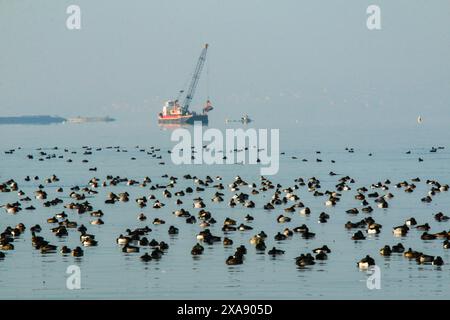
{"type": "Point", "coordinates": [313, 63]}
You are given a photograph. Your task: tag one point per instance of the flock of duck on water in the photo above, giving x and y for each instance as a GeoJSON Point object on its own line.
{"type": "Point", "coordinates": [283, 199]}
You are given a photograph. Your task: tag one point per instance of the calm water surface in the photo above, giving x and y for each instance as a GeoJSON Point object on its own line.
{"type": "Point", "coordinates": [109, 273]}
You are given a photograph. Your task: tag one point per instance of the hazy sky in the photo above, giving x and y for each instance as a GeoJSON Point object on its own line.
{"type": "Point", "coordinates": [311, 61]}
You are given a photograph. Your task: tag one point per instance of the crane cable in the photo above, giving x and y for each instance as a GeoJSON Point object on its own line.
{"type": "Point", "coordinates": [207, 79]}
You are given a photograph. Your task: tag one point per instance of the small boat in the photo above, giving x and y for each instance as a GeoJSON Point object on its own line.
{"type": "Point", "coordinates": [244, 119]}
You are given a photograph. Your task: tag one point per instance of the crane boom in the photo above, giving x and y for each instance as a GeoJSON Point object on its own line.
{"type": "Point", "coordinates": [193, 85]}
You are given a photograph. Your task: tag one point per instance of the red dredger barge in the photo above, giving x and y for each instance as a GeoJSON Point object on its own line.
{"type": "Point", "coordinates": [173, 112]}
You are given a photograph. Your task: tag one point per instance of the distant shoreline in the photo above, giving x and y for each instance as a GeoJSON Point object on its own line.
{"type": "Point", "coordinates": [32, 120]}
{"type": "Point", "coordinates": [46, 119]}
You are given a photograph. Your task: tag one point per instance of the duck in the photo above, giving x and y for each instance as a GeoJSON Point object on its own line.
{"type": "Point", "coordinates": [423, 227]}
{"type": "Point", "coordinates": [442, 235]}
{"type": "Point", "coordinates": [36, 240]}
{"type": "Point", "coordinates": [274, 252]}
{"type": "Point", "coordinates": [279, 237]}
{"type": "Point", "coordinates": [374, 229]}
{"type": "Point", "coordinates": [427, 236]}
{"type": "Point", "coordinates": [411, 222]}
{"type": "Point", "coordinates": [410, 254]}
{"type": "Point", "coordinates": [144, 241]}
{"type": "Point", "coordinates": [16, 232]}
{"type": "Point", "coordinates": [446, 244]}
{"type": "Point", "coordinates": [89, 242]}
{"type": "Point", "coordinates": [69, 224]}
{"type": "Point", "coordinates": [84, 236]}
{"type": "Point", "coordinates": [202, 214]}
{"type": "Point", "coordinates": [324, 249]}
{"type": "Point", "coordinates": [202, 235]}
{"type": "Point", "coordinates": [424, 259]}
{"type": "Point", "coordinates": [158, 221]}
{"type": "Point", "coordinates": [60, 231]}
{"type": "Point", "coordinates": [256, 239]}
{"type": "Point", "coordinates": [241, 250]}
{"type": "Point", "coordinates": [283, 219]}
{"type": "Point", "coordinates": [199, 204]}
{"type": "Point", "coordinates": [366, 262]}
{"type": "Point", "coordinates": [260, 246]}
{"type": "Point", "coordinates": [321, 256]}
{"type": "Point", "coordinates": [305, 260]}
{"type": "Point", "coordinates": [288, 233]}
{"type": "Point", "coordinates": [438, 261]}
{"type": "Point", "coordinates": [305, 211]}
{"type": "Point", "coordinates": [227, 241]}
{"type": "Point", "coordinates": [324, 216]}
{"type": "Point", "coordinates": [163, 246]}
{"type": "Point", "coordinates": [248, 218]}
{"type": "Point", "coordinates": [367, 209]}
{"type": "Point", "coordinates": [400, 230]}
{"type": "Point", "coordinates": [301, 228]}
{"type": "Point", "coordinates": [185, 214]}
{"type": "Point", "coordinates": [204, 224]}
{"type": "Point", "coordinates": [97, 222]}
{"type": "Point", "coordinates": [123, 240]}
{"type": "Point", "coordinates": [146, 257]}
{"type": "Point", "coordinates": [383, 204]}
{"type": "Point", "coordinates": [351, 225]}
{"type": "Point", "coordinates": [441, 217]}
{"type": "Point", "coordinates": [308, 235]}
{"type": "Point", "coordinates": [234, 260]}
{"type": "Point", "coordinates": [48, 248]}
{"type": "Point", "coordinates": [65, 250]}
{"type": "Point", "coordinates": [173, 230]}
{"type": "Point", "coordinates": [386, 251]}
{"type": "Point", "coordinates": [52, 220]}
{"type": "Point", "coordinates": [226, 228]}
{"type": "Point", "coordinates": [36, 228]}
{"type": "Point", "coordinates": [82, 228]}
{"type": "Point", "coordinates": [158, 205]}
{"type": "Point", "coordinates": [77, 252]}
{"type": "Point", "coordinates": [191, 220]}
{"type": "Point", "coordinates": [352, 211]}
{"type": "Point", "coordinates": [130, 249]}
{"type": "Point", "coordinates": [243, 227]}
{"type": "Point", "coordinates": [322, 220]}
{"type": "Point", "coordinates": [290, 209]}
{"type": "Point", "coordinates": [197, 249]}
{"type": "Point", "coordinates": [360, 196]}
{"type": "Point", "coordinates": [262, 235]}
{"type": "Point", "coordinates": [142, 217]}
{"type": "Point", "coordinates": [229, 222]}
{"type": "Point", "coordinates": [358, 236]}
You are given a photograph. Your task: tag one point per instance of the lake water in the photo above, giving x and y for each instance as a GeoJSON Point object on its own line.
{"type": "Point", "coordinates": [107, 272]}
